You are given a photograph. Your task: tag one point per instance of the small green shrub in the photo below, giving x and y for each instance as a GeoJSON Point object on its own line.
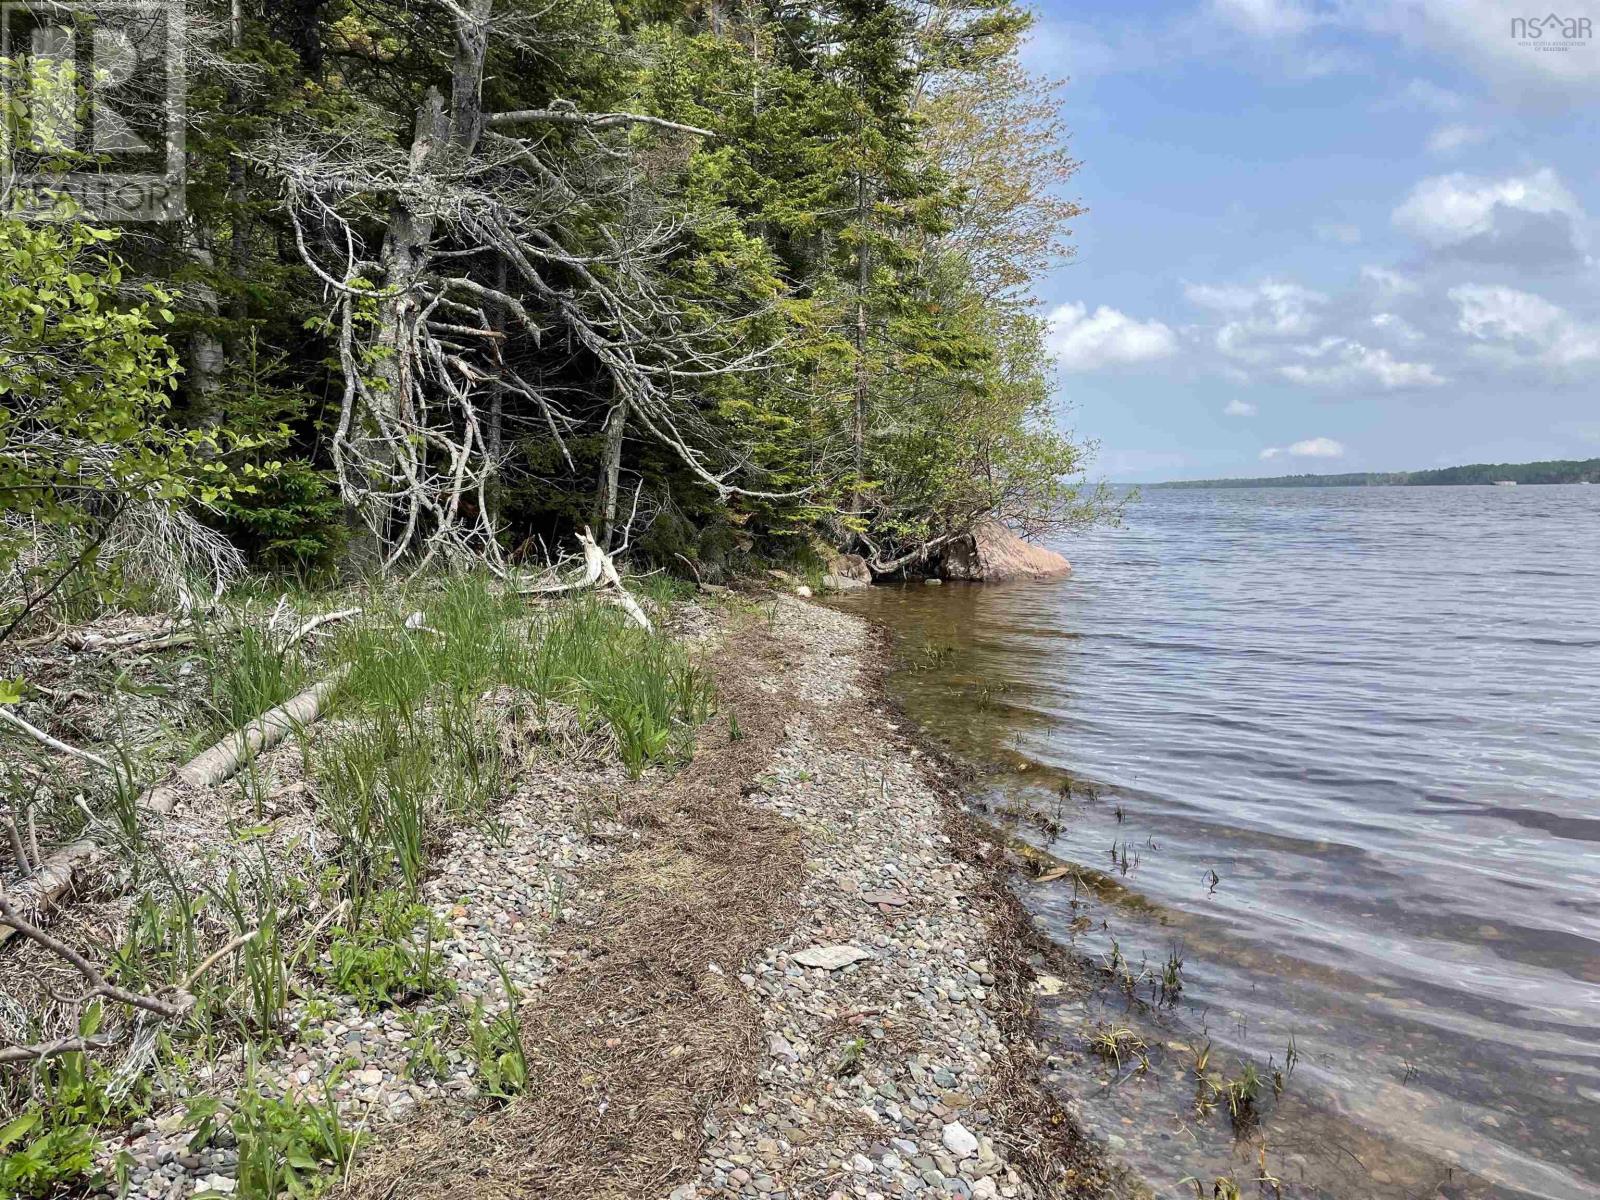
{"type": "Point", "coordinates": [58, 1154]}
{"type": "Point", "coordinates": [291, 519]}
{"type": "Point", "coordinates": [289, 1146]}
{"type": "Point", "coordinates": [425, 1047]}
{"type": "Point", "coordinates": [50, 1145]}
{"type": "Point", "coordinates": [496, 1047]}
{"type": "Point", "coordinates": [255, 904]}
{"type": "Point", "coordinates": [378, 962]}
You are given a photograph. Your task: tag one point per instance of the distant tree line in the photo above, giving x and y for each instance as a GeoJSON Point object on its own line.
{"type": "Point", "coordinates": [1563, 470]}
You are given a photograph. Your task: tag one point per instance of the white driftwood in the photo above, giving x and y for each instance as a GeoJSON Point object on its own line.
{"type": "Point", "coordinates": [44, 888]}
{"type": "Point", "coordinates": [600, 573]}
{"type": "Point", "coordinates": [593, 567]}
{"type": "Point", "coordinates": [143, 639]}
{"type": "Point", "coordinates": [222, 761]}
{"type": "Point", "coordinates": [612, 588]}
{"type": "Point", "coordinates": [7, 717]}
{"type": "Point", "coordinates": [315, 623]}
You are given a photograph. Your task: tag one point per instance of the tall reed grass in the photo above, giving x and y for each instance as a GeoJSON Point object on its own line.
{"type": "Point", "coordinates": [421, 710]}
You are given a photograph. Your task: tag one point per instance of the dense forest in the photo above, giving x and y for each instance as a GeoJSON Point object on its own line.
{"type": "Point", "coordinates": [456, 279]}
{"type": "Point", "coordinates": [1554, 471]}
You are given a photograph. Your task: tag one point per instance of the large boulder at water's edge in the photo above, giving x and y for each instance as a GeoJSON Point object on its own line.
{"type": "Point", "coordinates": [846, 572]}
{"type": "Point", "coordinates": [991, 553]}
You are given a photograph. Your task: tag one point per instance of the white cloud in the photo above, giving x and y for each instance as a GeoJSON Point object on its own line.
{"type": "Point", "coordinates": [1258, 315]}
{"type": "Point", "coordinates": [1520, 219]}
{"type": "Point", "coordinates": [1239, 408]}
{"type": "Point", "coordinates": [1523, 327]}
{"type": "Point", "coordinates": [1084, 341]}
{"type": "Point", "coordinates": [1338, 362]}
{"type": "Point", "coordinates": [1390, 283]}
{"type": "Point", "coordinates": [1479, 31]}
{"type": "Point", "coordinates": [1286, 304]}
{"type": "Point", "coordinates": [1396, 326]}
{"type": "Point", "coordinates": [1317, 447]}
{"type": "Point", "coordinates": [1447, 139]}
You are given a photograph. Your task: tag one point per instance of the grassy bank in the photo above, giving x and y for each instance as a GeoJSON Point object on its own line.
{"type": "Point", "coordinates": [257, 910]}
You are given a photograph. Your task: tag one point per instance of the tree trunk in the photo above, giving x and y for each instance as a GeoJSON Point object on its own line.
{"type": "Point", "coordinates": [605, 499]}
{"type": "Point", "coordinates": [863, 279]}
{"type": "Point", "coordinates": [494, 439]}
{"type": "Point", "coordinates": [440, 137]}
{"type": "Point", "coordinates": [207, 359]}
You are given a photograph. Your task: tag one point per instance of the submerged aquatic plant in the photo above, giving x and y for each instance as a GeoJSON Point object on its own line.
{"type": "Point", "coordinates": [1114, 1042]}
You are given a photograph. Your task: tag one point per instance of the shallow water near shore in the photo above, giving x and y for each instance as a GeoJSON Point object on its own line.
{"type": "Point", "coordinates": [1339, 749]}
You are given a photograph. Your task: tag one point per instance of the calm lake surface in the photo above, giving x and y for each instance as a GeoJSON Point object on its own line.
{"type": "Point", "coordinates": [1342, 750]}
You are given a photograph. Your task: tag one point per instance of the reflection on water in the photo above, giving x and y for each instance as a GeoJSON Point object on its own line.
{"type": "Point", "coordinates": [1346, 744]}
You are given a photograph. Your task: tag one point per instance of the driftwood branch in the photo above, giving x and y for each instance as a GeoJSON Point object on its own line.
{"type": "Point", "coordinates": [139, 639]}
{"type": "Point", "coordinates": [568, 116]}
{"type": "Point", "coordinates": [179, 1004]}
{"type": "Point", "coordinates": [305, 630]}
{"type": "Point", "coordinates": [223, 760]}
{"type": "Point", "coordinates": [600, 573]}
{"type": "Point", "coordinates": [7, 717]}
{"type": "Point", "coordinates": [612, 589]}
{"type": "Point", "coordinates": [52, 880]}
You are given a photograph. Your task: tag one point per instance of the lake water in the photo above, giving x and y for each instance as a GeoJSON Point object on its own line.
{"type": "Point", "coordinates": [1341, 748]}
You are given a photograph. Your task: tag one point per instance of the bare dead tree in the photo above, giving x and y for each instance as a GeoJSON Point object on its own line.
{"type": "Point", "coordinates": [485, 231]}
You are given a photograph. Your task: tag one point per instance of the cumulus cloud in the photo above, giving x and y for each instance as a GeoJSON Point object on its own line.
{"type": "Point", "coordinates": [1239, 408]}
{"type": "Point", "coordinates": [1396, 326]}
{"type": "Point", "coordinates": [1339, 362]}
{"type": "Point", "coordinates": [1521, 328]}
{"type": "Point", "coordinates": [1258, 316]}
{"type": "Point", "coordinates": [1523, 219]}
{"type": "Point", "coordinates": [1447, 139]}
{"type": "Point", "coordinates": [1267, 329]}
{"type": "Point", "coordinates": [1085, 341]}
{"type": "Point", "coordinates": [1390, 282]}
{"type": "Point", "coordinates": [1317, 447]}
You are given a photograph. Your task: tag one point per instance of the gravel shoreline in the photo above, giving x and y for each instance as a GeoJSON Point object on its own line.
{"type": "Point", "coordinates": [886, 1075]}
{"type": "Point", "coordinates": [893, 1006]}
{"type": "Point", "coordinates": [877, 1073]}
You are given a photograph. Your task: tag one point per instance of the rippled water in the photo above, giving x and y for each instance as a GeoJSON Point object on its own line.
{"type": "Point", "coordinates": [1374, 714]}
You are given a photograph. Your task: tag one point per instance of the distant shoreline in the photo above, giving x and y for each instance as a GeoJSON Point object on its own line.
{"type": "Point", "coordinates": [1554, 471]}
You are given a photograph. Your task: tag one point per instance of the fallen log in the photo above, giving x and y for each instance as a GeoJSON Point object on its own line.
{"type": "Point", "coordinates": [170, 635]}
{"type": "Point", "coordinates": [223, 760]}
{"type": "Point", "coordinates": [315, 623]}
{"type": "Point", "coordinates": [41, 890]}
{"type": "Point", "coordinates": [53, 879]}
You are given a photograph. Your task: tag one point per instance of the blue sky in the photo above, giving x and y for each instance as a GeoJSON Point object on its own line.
{"type": "Point", "coordinates": [1322, 237]}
